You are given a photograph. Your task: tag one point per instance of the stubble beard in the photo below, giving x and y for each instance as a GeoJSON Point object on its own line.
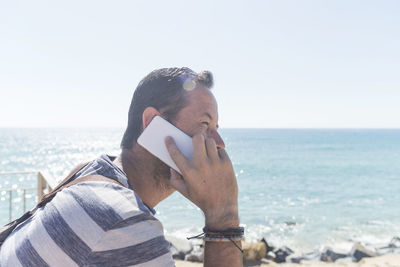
{"type": "Point", "coordinates": [161, 175]}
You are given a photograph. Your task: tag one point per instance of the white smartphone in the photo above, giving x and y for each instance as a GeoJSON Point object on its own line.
{"type": "Point", "coordinates": [153, 140]}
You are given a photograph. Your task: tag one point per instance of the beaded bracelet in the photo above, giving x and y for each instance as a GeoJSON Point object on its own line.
{"type": "Point", "coordinates": [222, 238]}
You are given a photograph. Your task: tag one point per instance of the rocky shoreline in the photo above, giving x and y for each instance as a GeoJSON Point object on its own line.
{"type": "Point", "coordinates": [262, 253]}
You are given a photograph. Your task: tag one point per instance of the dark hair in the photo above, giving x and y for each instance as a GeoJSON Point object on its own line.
{"type": "Point", "coordinates": [163, 89]}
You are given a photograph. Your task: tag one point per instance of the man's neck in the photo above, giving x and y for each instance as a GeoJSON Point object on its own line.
{"type": "Point", "coordinates": [142, 169]}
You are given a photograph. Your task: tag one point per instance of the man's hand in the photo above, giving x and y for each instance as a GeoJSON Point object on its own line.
{"type": "Point", "coordinates": [208, 181]}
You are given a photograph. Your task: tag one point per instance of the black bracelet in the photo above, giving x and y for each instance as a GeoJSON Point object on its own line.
{"type": "Point", "coordinates": [230, 234]}
{"type": "Point", "coordinates": [229, 231]}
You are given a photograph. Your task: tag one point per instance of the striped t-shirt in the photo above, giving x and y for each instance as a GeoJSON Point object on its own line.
{"type": "Point", "coordinates": [90, 224]}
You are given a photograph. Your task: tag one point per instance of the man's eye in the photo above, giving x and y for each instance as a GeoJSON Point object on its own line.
{"type": "Point", "coordinates": [205, 123]}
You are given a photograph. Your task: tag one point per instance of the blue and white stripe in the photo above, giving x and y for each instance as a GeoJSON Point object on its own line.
{"type": "Point", "coordinates": [90, 224]}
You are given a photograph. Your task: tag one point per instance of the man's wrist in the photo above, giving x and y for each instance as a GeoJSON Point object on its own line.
{"type": "Point", "coordinates": [224, 221]}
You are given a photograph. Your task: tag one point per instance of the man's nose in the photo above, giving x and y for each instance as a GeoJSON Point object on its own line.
{"type": "Point", "coordinates": [217, 138]}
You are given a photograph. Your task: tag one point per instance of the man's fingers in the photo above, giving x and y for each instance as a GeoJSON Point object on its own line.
{"type": "Point", "coordinates": [199, 149]}
{"type": "Point", "coordinates": [223, 155]}
{"type": "Point", "coordinates": [175, 153]}
{"type": "Point", "coordinates": [211, 148]}
{"type": "Point", "coordinates": [177, 182]}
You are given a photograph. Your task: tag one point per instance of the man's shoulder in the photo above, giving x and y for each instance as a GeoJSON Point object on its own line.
{"type": "Point", "coordinates": [109, 220]}
{"type": "Point", "coordinates": [92, 223]}
{"type": "Point", "coordinates": [104, 202]}
{"type": "Point", "coordinates": [105, 167]}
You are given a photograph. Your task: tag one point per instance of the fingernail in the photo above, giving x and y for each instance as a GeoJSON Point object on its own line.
{"type": "Point", "coordinates": [168, 139]}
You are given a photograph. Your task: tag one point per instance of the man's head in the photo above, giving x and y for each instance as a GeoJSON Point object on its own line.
{"type": "Point", "coordinates": [170, 91]}
{"type": "Point", "coordinates": [180, 96]}
{"type": "Point", "coordinates": [183, 98]}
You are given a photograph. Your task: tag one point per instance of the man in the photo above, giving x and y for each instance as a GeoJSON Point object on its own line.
{"type": "Point", "coordinates": [98, 223]}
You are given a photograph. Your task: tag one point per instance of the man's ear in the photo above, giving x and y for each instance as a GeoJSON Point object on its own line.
{"type": "Point", "coordinates": [148, 114]}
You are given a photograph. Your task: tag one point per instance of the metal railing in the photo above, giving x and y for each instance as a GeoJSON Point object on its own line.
{"type": "Point", "coordinates": [45, 184]}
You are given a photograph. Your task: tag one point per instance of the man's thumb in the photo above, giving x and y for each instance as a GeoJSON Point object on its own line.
{"type": "Point", "coordinates": [177, 182]}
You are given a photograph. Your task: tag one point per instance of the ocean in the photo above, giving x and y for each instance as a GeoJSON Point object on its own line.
{"type": "Point", "coordinates": [301, 188]}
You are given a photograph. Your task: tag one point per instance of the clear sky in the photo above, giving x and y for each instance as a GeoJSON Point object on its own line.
{"type": "Point", "coordinates": [276, 63]}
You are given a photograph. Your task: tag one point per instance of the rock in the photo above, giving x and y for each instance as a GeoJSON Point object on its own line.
{"type": "Point", "coordinates": [282, 253]}
{"type": "Point", "coordinates": [270, 255]}
{"type": "Point", "coordinates": [328, 255]}
{"type": "Point", "coordinates": [294, 258]}
{"type": "Point", "coordinates": [176, 254]}
{"type": "Point", "coordinates": [269, 248]}
{"type": "Point", "coordinates": [395, 242]}
{"type": "Point", "coordinates": [385, 250]}
{"type": "Point", "coordinates": [392, 248]}
{"type": "Point", "coordinates": [359, 251]}
{"type": "Point", "coordinates": [254, 251]}
{"type": "Point", "coordinates": [388, 250]}
{"type": "Point", "coordinates": [195, 255]}
{"type": "Point", "coordinates": [312, 256]}
{"type": "Point", "coordinates": [265, 261]}
{"type": "Point", "coordinates": [179, 247]}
